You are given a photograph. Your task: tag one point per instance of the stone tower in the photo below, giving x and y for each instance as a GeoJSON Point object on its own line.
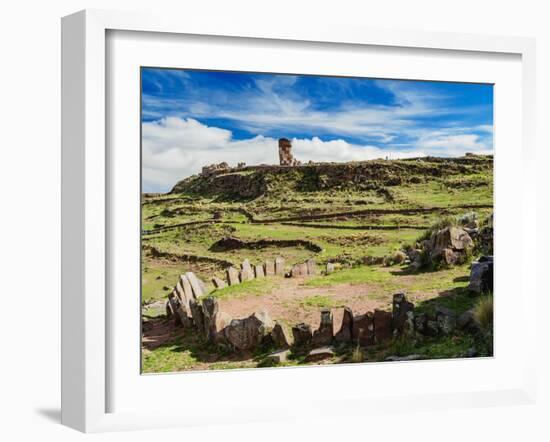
{"type": "Point", "coordinates": [285, 152]}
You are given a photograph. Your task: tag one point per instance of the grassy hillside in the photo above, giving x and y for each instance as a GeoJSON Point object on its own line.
{"type": "Point", "coordinates": [353, 214]}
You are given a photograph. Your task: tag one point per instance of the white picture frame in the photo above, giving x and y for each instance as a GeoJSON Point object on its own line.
{"type": "Point", "coordinates": [86, 205]}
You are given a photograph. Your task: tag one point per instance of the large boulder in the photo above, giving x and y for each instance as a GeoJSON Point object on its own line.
{"type": "Point", "coordinates": [248, 333]}
{"type": "Point", "coordinates": [449, 246]}
{"type": "Point", "coordinates": [481, 275]}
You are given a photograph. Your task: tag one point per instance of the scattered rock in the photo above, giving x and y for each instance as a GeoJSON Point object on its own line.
{"type": "Point", "coordinates": [302, 334]}
{"type": "Point", "coordinates": [323, 335]}
{"type": "Point", "coordinates": [279, 266]}
{"type": "Point", "coordinates": [218, 283]}
{"type": "Point", "coordinates": [319, 354]}
{"type": "Point", "coordinates": [345, 333]}
{"type": "Point", "coordinates": [363, 329]}
{"type": "Point", "coordinates": [382, 326]}
{"type": "Point", "coordinates": [277, 358]}
{"type": "Point", "coordinates": [232, 276]}
{"type": "Point", "coordinates": [248, 333]}
{"type": "Point", "coordinates": [280, 336]}
{"type": "Point", "coordinates": [259, 271]}
{"type": "Point", "coordinates": [481, 275]}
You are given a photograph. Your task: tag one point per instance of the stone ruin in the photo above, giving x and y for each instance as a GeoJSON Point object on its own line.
{"type": "Point", "coordinates": [212, 169]}
{"type": "Point", "coordinates": [247, 334]}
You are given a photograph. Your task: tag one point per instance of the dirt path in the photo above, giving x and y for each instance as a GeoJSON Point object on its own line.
{"type": "Point", "coordinates": [292, 302]}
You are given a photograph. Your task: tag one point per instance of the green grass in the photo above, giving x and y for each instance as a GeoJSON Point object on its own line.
{"type": "Point", "coordinates": [255, 287]}
{"type": "Point", "coordinates": [442, 347]}
{"type": "Point", "coordinates": [319, 301]}
{"type": "Point", "coordinates": [296, 192]}
{"type": "Point", "coordinates": [358, 275]}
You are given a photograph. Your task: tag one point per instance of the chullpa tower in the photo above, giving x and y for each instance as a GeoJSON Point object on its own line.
{"type": "Point", "coordinates": [285, 152]}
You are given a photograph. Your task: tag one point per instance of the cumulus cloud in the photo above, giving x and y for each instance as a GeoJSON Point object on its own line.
{"type": "Point", "coordinates": [175, 148]}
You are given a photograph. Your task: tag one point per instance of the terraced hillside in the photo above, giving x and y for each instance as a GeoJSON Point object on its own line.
{"type": "Point", "coordinates": [356, 215]}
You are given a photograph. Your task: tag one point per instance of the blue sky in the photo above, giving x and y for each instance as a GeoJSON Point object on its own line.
{"type": "Point", "coordinates": [192, 118]}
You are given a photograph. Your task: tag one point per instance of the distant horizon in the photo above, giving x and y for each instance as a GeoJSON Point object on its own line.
{"type": "Point", "coordinates": [195, 118]}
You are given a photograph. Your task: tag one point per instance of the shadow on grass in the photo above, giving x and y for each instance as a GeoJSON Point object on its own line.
{"type": "Point", "coordinates": [458, 299]}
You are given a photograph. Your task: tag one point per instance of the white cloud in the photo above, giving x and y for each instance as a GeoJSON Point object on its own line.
{"type": "Point", "coordinates": [175, 148]}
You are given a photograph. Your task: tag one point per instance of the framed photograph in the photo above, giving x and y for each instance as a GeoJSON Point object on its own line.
{"type": "Point", "coordinates": [251, 213]}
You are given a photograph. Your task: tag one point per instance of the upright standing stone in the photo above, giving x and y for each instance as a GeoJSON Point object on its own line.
{"type": "Point", "coordinates": [400, 309]}
{"type": "Point", "coordinates": [311, 267]}
{"type": "Point", "coordinates": [259, 271]}
{"type": "Point", "coordinates": [218, 283]}
{"type": "Point", "coordinates": [323, 335]}
{"type": "Point", "coordinates": [269, 267]}
{"type": "Point", "coordinates": [198, 315]}
{"type": "Point", "coordinates": [187, 290]}
{"type": "Point", "coordinates": [302, 334]}
{"type": "Point", "coordinates": [281, 338]}
{"type": "Point", "coordinates": [363, 329]}
{"type": "Point", "coordinates": [180, 313]}
{"type": "Point", "coordinates": [303, 269]}
{"type": "Point", "coordinates": [382, 326]}
{"type": "Point", "coordinates": [214, 320]}
{"type": "Point", "coordinates": [232, 276]}
{"type": "Point", "coordinates": [279, 266]}
{"type": "Point", "coordinates": [195, 284]}
{"type": "Point", "coordinates": [210, 310]}
{"type": "Point", "coordinates": [246, 273]}
{"type": "Point", "coordinates": [330, 268]}
{"type": "Point", "coordinates": [346, 329]}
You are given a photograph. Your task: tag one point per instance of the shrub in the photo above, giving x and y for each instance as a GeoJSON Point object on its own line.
{"type": "Point", "coordinates": [483, 312]}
